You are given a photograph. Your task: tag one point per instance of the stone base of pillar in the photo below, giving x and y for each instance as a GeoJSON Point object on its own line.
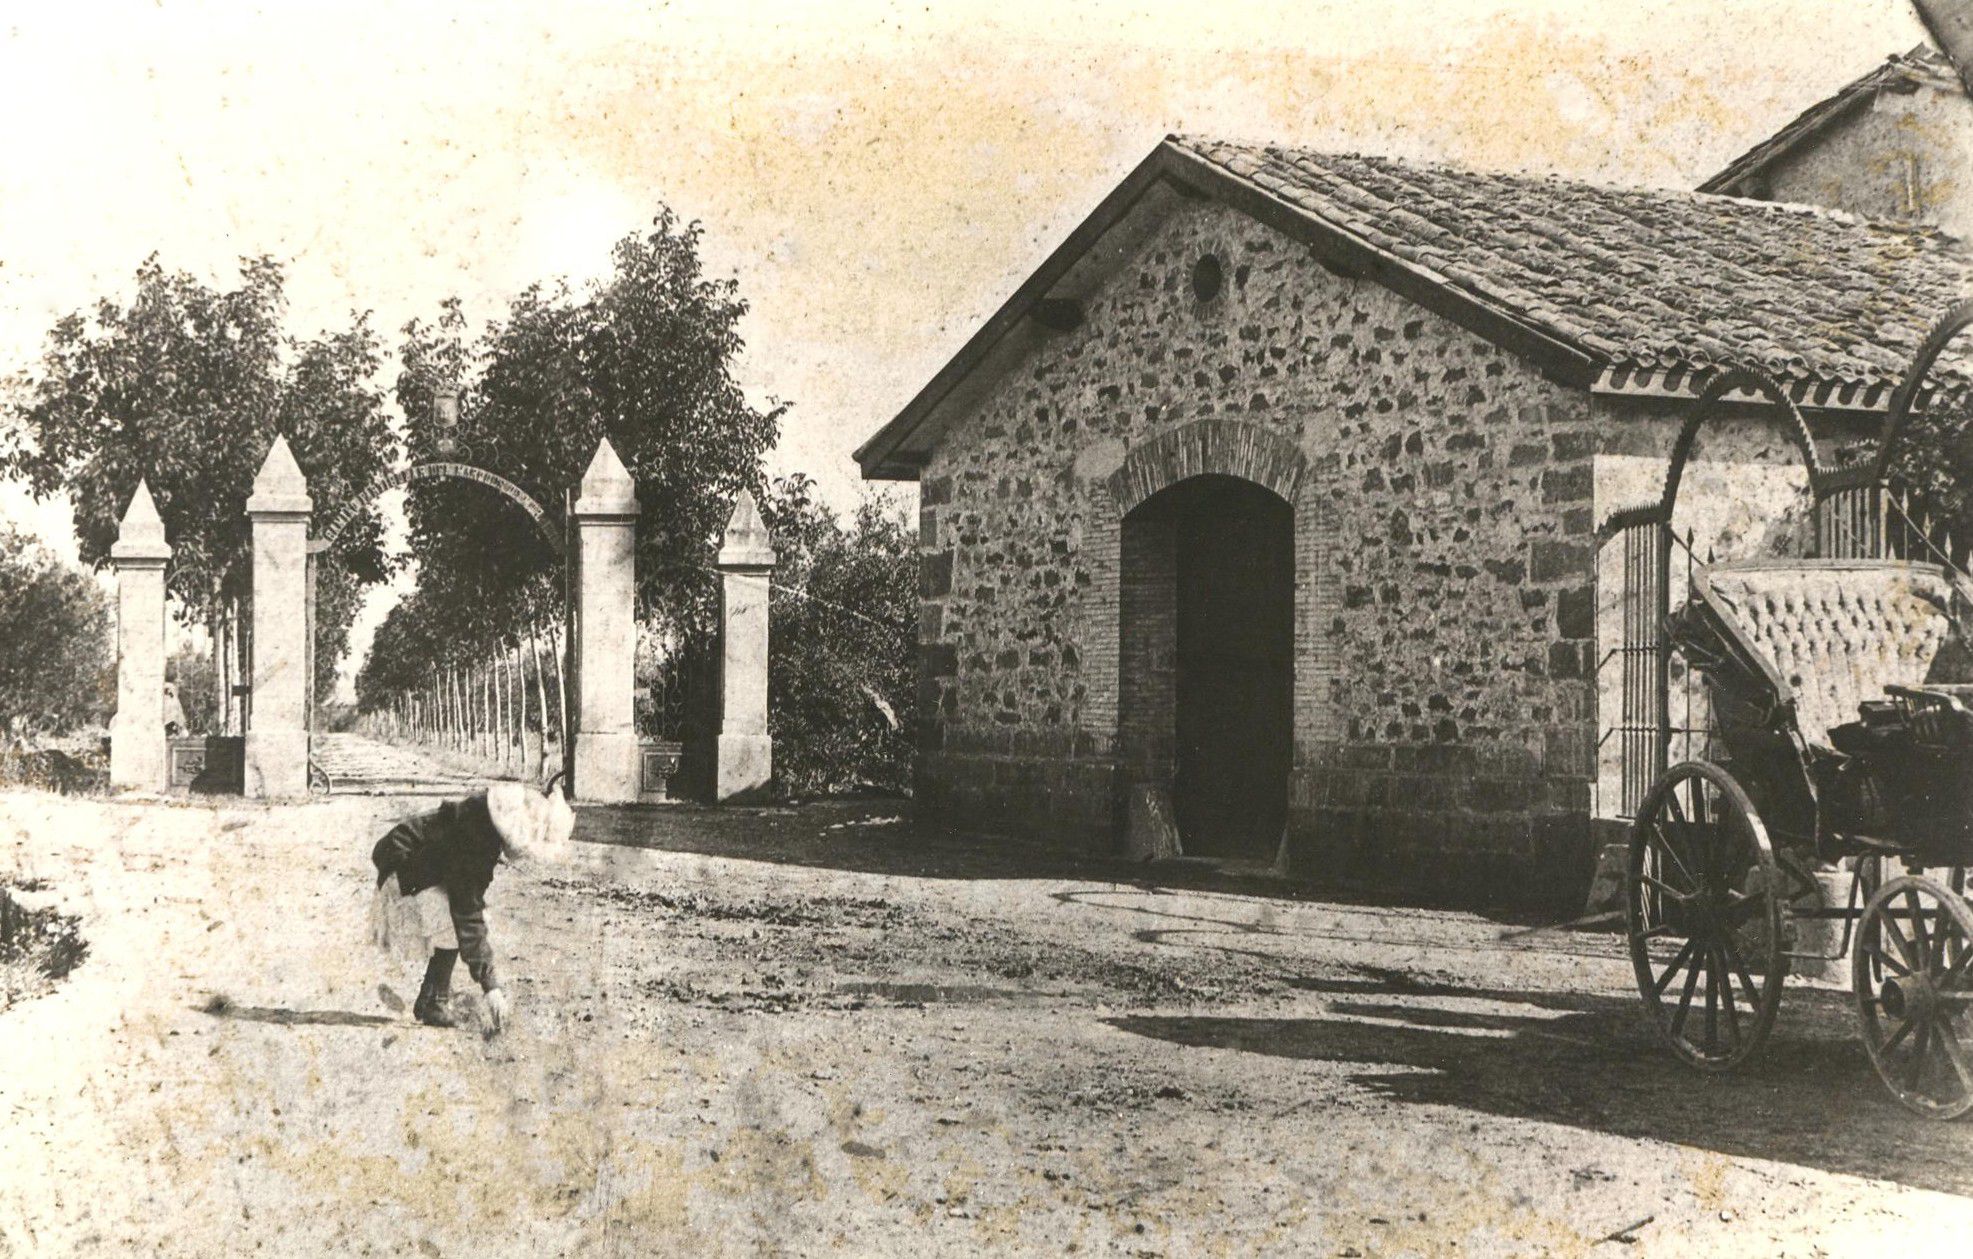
{"type": "Point", "coordinates": [139, 756]}
{"type": "Point", "coordinates": [609, 768]}
{"type": "Point", "coordinates": [277, 764]}
{"type": "Point", "coordinates": [743, 765]}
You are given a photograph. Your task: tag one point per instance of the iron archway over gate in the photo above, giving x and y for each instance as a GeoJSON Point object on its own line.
{"type": "Point", "coordinates": [1645, 728]}
{"type": "Point", "coordinates": [433, 472]}
{"type": "Point", "coordinates": [442, 470]}
{"type": "Point", "coordinates": [1857, 513]}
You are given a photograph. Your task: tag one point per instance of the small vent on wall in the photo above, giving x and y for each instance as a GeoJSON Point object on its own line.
{"type": "Point", "coordinates": [1208, 277]}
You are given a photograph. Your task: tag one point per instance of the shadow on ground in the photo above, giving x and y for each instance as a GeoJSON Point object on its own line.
{"type": "Point", "coordinates": [295, 1018]}
{"type": "Point", "coordinates": [1592, 1063]}
{"type": "Point", "coordinates": [1361, 919]}
{"type": "Point", "coordinates": [869, 836]}
{"type": "Point", "coordinates": [1497, 1046]}
{"type": "Point", "coordinates": [879, 836]}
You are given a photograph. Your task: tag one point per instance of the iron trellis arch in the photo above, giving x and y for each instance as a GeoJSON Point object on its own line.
{"type": "Point", "coordinates": [319, 546]}
{"type": "Point", "coordinates": [434, 471]}
{"type": "Point", "coordinates": [1955, 321]}
{"type": "Point", "coordinates": [1647, 539]}
{"type": "Point", "coordinates": [1753, 380]}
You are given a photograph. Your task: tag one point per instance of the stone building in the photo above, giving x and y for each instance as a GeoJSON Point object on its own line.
{"type": "Point", "coordinates": [1896, 144]}
{"type": "Point", "coordinates": [1273, 494]}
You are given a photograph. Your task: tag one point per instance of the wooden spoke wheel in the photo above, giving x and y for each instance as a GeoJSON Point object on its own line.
{"type": "Point", "coordinates": [1870, 877]}
{"type": "Point", "coordinates": [1703, 905]}
{"type": "Point", "coordinates": [1913, 976]}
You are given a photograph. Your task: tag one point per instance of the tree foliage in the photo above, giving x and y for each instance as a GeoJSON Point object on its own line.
{"type": "Point", "coordinates": [842, 642]}
{"type": "Point", "coordinates": [1934, 462]}
{"type": "Point", "coordinates": [413, 640]}
{"type": "Point", "coordinates": [645, 358]}
{"type": "Point", "coordinates": [57, 663]}
{"type": "Point", "coordinates": [186, 386]}
{"type": "Point", "coordinates": [190, 669]}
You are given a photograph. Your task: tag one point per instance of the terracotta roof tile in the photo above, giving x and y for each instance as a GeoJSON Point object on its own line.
{"type": "Point", "coordinates": [1640, 278]}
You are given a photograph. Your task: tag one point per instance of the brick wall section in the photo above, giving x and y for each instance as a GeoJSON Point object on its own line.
{"type": "Point", "coordinates": [1226, 447]}
{"type": "Point", "coordinates": [1444, 600]}
{"type": "Point", "coordinates": [1149, 636]}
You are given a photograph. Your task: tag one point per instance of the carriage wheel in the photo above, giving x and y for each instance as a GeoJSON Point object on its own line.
{"type": "Point", "coordinates": [1703, 903]}
{"type": "Point", "coordinates": [1913, 975]}
{"type": "Point", "coordinates": [1870, 877]}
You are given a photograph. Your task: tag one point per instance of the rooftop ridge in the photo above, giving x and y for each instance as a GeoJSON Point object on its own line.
{"type": "Point", "coordinates": [1922, 65]}
{"type": "Point", "coordinates": [1613, 289]}
{"type": "Point", "coordinates": [1195, 142]}
{"type": "Point", "coordinates": [1534, 262]}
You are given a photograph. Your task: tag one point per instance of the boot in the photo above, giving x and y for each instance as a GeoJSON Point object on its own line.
{"type": "Point", "coordinates": [434, 1005]}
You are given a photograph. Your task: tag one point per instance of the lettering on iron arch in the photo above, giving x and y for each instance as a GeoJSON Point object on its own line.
{"type": "Point", "coordinates": [430, 472]}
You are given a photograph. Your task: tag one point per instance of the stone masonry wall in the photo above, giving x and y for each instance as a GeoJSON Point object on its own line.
{"type": "Point", "coordinates": [1445, 610]}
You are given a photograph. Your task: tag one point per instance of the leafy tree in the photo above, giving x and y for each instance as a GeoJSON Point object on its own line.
{"type": "Point", "coordinates": [388, 671]}
{"type": "Point", "coordinates": [1934, 462]}
{"type": "Point", "coordinates": [186, 386]}
{"type": "Point", "coordinates": [645, 357]}
{"type": "Point", "coordinates": [333, 412]}
{"type": "Point", "coordinates": [57, 663]}
{"type": "Point", "coordinates": [842, 642]}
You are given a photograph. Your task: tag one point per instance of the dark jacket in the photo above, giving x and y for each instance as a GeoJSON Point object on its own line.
{"type": "Point", "coordinates": [454, 847]}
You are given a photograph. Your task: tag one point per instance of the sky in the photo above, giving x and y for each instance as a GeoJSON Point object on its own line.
{"type": "Point", "coordinates": [876, 176]}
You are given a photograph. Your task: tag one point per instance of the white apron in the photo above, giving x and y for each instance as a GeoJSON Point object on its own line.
{"type": "Point", "coordinates": [410, 927]}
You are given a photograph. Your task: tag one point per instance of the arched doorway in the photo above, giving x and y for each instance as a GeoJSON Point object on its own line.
{"type": "Point", "coordinates": [1207, 659]}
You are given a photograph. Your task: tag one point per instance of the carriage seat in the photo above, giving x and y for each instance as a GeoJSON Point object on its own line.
{"type": "Point", "coordinates": [1837, 632]}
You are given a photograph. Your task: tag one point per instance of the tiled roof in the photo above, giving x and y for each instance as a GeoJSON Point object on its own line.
{"type": "Point", "coordinates": [1657, 288]}
{"type": "Point", "coordinates": [1923, 66]}
{"type": "Point", "coordinates": [1614, 290]}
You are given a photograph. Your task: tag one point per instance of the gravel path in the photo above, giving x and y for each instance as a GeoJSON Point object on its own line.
{"type": "Point", "coordinates": [357, 763]}
{"type": "Point", "coordinates": [819, 1031]}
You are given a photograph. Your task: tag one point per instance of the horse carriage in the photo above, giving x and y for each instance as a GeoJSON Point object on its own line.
{"type": "Point", "coordinates": [1820, 699]}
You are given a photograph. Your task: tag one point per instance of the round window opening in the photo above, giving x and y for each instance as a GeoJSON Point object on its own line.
{"type": "Point", "coordinates": [1207, 277]}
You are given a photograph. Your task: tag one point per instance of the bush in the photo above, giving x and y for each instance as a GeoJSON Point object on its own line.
{"type": "Point", "coordinates": [843, 644]}
{"type": "Point", "coordinates": [72, 773]}
{"type": "Point", "coordinates": [57, 663]}
{"type": "Point", "coordinates": [37, 948]}
{"type": "Point", "coordinates": [190, 670]}
{"type": "Point", "coordinates": [335, 716]}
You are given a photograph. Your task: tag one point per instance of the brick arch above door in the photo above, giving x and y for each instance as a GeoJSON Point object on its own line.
{"type": "Point", "coordinates": [1236, 448]}
{"type": "Point", "coordinates": [1228, 447]}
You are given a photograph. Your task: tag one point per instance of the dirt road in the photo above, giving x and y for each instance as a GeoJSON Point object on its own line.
{"type": "Point", "coordinates": [818, 1031]}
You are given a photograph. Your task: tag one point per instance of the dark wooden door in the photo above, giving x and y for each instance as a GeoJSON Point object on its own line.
{"type": "Point", "coordinates": [1234, 716]}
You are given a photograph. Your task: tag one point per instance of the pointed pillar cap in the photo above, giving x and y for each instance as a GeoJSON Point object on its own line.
{"type": "Point", "coordinates": [279, 489]}
{"type": "Point", "coordinates": [746, 544]}
{"type": "Point", "coordinates": [141, 535]}
{"type": "Point", "coordinates": [606, 490]}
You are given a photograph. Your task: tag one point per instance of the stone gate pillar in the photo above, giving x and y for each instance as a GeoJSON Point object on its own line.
{"type": "Point", "coordinates": [277, 727]}
{"type": "Point", "coordinates": [138, 754]}
{"type": "Point", "coordinates": [606, 769]}
{"type": "Point", "coordinates": [744, 759]}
